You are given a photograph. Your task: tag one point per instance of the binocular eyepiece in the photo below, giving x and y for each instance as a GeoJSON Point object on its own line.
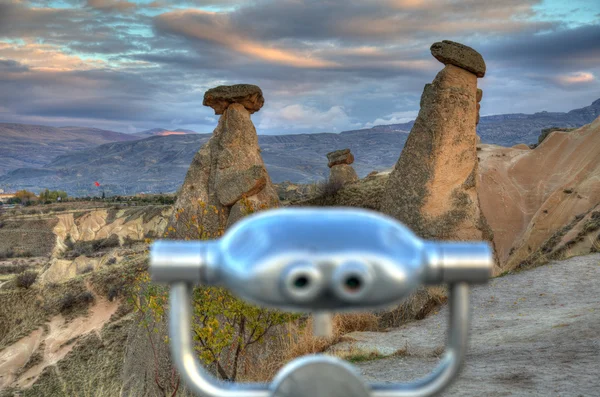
{"type": "Point", "coordinates": [350, 281]}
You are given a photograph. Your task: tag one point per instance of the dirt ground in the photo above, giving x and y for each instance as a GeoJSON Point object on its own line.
{"type": "Point", "coordinates": [534, 333]}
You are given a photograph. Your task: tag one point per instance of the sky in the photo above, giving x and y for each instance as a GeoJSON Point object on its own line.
{"type": "Point", "coordinates": [323, 65]}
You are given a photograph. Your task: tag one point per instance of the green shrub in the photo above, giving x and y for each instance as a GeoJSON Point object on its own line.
{"type": "Point", "coordinates": [71, 301]}
{"type": "Point", "coordinates": [26, 279]}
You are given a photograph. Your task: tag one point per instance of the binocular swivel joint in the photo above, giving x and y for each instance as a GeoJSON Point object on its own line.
{"type": "Point", "coordinates": [319, 261]}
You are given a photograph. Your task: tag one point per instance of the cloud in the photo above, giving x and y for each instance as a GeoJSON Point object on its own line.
{"type": "Point", "coordinates": [217, 28]}
{"type": "Point", "coordinates": [45, 57]}
{"type": "Point", "coordinates": [298, 117]}
{"type": "Point", "coordinates": [394, 118]}
{"type": "Point", "coordinates": [560, 49]}
{"type": "Point", "coordinates": [575, 78]}
{"type": "Point", "coordinates": [323, 65]}
{"type": "Point", "coordinates": [111, 5]}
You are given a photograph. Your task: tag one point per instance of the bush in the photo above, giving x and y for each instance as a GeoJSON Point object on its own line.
{"type": "Point", "coordinates": [88, 269]}
{"type": "Point", "coordinates": [7, 253]}
{"type": "Point", "coordinates": [71, 301]}
{"type": "Point", "coordinates": [87, 248]}
{"type": "Point", "coordinates": [329, 188]}
{"type": "Point", "coordinates": [26, 279]}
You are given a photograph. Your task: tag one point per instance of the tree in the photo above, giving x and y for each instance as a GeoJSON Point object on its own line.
{"type": "Point", "coordinates": [25, 197]}
{"type": "Point", "coordinates": [53, 195]}
{"type": "Point", "coordinates": [224, 327]}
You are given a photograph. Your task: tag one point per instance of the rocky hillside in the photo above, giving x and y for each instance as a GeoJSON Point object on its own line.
{"type": "Point", "coordinates": [62, 277]}
{"type": "Point", "coordinates": [23, 145]}
{"type": "Point", "coordinates": [532, 199]}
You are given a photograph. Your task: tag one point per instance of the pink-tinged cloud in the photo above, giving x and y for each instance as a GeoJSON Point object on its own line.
{"type": "Point", "coordinates": [45, 57]}
{"type": "Point", "coordinates": [217, 28]}
{"type": "Point", "coordinates": [576, 78]}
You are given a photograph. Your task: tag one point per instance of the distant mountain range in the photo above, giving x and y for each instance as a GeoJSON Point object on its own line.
{"type": "Point", "coordinates": [25, 145]}
{"type": "Point", "coordinates": [70, 159]}
{"type": "Point", "coordinates": [514, 128]}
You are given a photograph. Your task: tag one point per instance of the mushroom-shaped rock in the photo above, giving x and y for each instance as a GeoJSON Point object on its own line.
{"type": "Point", "coordinates": [450, 52]}
{"type": "Point", "coordinates": [340, 157]}
{"type": "Point", "coordinates": [248, 95]}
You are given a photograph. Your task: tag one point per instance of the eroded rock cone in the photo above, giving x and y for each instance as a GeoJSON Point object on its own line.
{"type": "Point", "coordinates": [226, 175]}
{"type": "Point", "coordinates": [432, 188]}
{"type": "Point", "coordinates": [341, 171]}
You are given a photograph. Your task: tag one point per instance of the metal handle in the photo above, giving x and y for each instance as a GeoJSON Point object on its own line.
{"type": "Point", "coordinates": [249, 257]}
{"type": "Point", "coordinates": [204, 384]}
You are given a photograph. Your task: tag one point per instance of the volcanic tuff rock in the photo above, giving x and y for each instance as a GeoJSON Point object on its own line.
{"type": "Point", "coordinates": [341, 172]}
{"type": "Point", "coordinates": [432, 188]}
{"type": "Point", "coordinates": [451, 53]}
{"type": "Point", "coordinates": [226, 169]}
{"type": "Point", "coordinates": [340, 157]}
{"type": "Point", "coordinates": [529, 196]}
{"type": "Point", "coordinates": [248, 95]}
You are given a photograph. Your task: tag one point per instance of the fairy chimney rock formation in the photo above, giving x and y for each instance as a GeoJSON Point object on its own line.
{"type": "Point", "coordinates": [433, 186]}
{"type": "Point", "coordinates": [227, 169]}
{"type": "Point", "coordinates": [341, 171]}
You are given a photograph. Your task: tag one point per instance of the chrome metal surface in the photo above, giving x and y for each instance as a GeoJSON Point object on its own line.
{"type": "Point", "coordinates": [314, 376]}
{"type": "Point", "coordinates": [173, 261]}
{"type": "Point", "coordinates": [319, 260]}
{"type": "Point", "coordinates": [451, 262]}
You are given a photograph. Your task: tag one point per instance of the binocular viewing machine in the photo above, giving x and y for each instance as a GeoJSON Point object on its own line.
{"type": "Point", "coordinates": [319, 260]}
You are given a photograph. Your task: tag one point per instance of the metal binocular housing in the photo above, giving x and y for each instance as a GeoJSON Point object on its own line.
{"type": "Point", "coordinates": [321, 261]}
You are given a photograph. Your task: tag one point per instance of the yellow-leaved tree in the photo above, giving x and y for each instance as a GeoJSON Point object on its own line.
{"type": "Point", "coordinates": [224, 327]}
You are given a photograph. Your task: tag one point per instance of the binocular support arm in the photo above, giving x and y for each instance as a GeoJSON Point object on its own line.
{"type": "Point", "coordinates": [456, 347]}
{"type": "Point", "coordinates": [204, 384]}
{"type": "Point", "coordinates": [182, 351]}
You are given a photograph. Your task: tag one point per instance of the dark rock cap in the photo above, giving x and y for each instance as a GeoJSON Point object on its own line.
{"type": "Point", "coordinates": [248, 95]}
{"type": "Point", "coordinates": [449, 52]}
{"type": "Point", "coordinates": [340, 157]}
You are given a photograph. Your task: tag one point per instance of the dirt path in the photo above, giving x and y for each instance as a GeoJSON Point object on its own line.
{"type": "Point", "coordinates": [57, 342]}
{"type": "Point", "coordinates": [536, 333]}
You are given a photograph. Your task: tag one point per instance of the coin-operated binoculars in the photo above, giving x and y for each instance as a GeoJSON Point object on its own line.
{"type": "Point", "coordinates": [320, 261]}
